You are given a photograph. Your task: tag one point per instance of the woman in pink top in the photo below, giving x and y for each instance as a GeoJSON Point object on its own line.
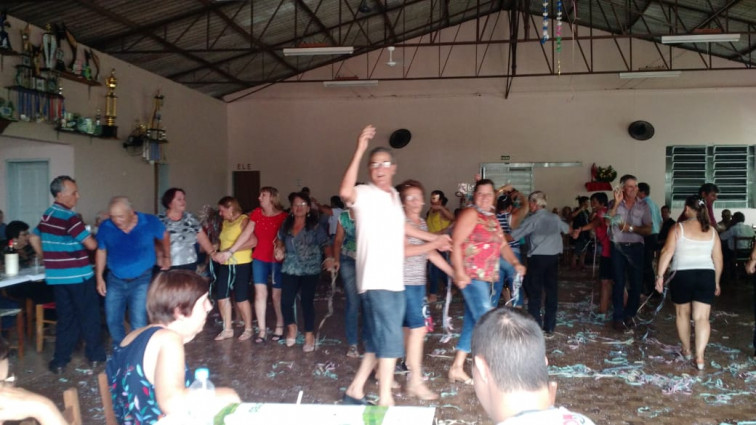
{"type": "Point", "coordinates": [264, 223]}
{"type": "Point", "coordinates": [477, 243]}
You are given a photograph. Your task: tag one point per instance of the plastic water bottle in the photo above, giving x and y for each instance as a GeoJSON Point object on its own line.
{"type": "Point", "coordinates": [200, 400]}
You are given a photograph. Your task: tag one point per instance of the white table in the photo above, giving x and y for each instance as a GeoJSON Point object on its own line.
{"type": "Point", "coordinates": [327, 414]}
{"type": "Point", "coordinates": [28, 274]}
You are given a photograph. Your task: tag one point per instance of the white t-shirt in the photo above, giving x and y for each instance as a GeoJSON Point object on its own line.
{"type": "Point", "coordinates": [379, 225]}
{"type": "Point", "coordinates": [553, 416]}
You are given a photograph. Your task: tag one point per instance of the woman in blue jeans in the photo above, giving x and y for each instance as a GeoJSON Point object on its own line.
{"type": "Point", "coordinates": [344, 252]}
{"type": "Point", "coordinates": [477, 244]}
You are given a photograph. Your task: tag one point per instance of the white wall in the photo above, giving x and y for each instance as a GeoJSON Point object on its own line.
{"type": "Point", "coordinates": [303, 134]}
{"type": "Point", "coordinates": [196, 130]}
{"type": "Point", "coordinates": [311, 140]}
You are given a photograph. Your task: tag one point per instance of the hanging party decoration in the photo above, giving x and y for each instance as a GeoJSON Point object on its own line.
{"type": "Point", "coordinates": [559, 37]}
{"type": "Point", "coordinates": [545, 35]}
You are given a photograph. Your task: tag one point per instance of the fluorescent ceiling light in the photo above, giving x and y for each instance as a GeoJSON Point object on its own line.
{"type": "Point", "coordinates": [649, 74]}
{"type": "Point", "coordinates": [350, 83]}
{"type": "Point", "coordinates": [699, 38]}
{"type": "Point", "coordinates": [310, 51]}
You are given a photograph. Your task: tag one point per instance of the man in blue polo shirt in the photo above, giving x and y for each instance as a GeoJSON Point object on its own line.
{"type": "Point", "coordinates": [126, 244]}
{"type": "Point", "coordinates": [62, 240]}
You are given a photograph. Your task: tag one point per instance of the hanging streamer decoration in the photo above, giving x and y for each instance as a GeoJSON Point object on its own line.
{"type": "Point", "coordinates": [545, 36]}
{"type": "Point", "coordinates": [559, 36]}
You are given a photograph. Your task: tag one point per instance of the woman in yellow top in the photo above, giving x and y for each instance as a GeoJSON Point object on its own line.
{"type": "Point", "coordinates": [234, 268]}
{"type": "Point", "coordinates": [439, 218]}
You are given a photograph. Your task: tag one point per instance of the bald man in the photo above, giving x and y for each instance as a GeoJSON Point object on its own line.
{"type": "Point", "coordinates": [126, 245]}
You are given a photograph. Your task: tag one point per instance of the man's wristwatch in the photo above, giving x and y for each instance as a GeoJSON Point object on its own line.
{"type": "Point", "coordinates": [630, 229]}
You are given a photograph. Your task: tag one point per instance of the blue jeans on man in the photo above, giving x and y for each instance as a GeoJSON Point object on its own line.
{"type": "Point", "coordinates": [123, 293]}
{"type": "Point", "coordinates": [626, 258]}
{"type": "Point", "coordinates": [477, 295]}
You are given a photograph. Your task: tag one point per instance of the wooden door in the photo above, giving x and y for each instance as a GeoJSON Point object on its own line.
{"type": "Point", "coordinates": [246, 189]}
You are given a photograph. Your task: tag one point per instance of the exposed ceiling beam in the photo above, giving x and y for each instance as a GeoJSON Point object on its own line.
{"type": "Point", "coordinates": [247, 36]}
{"type": "Point", "coordinates": [686, 6]}
{"type": "Point", "coordinates": [169, 46]}
{"type": "Point", "coordinates": [314, 18]}
{"type": "Point", "coordinates": [102, 43]}
{"type": "Point", "coordinates": [716, 14]}
{"type": "Point", "coordinates": [387, 22]}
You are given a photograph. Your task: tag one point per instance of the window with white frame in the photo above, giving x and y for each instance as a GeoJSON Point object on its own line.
{"type": "Point", "coordinates": [730, 167]}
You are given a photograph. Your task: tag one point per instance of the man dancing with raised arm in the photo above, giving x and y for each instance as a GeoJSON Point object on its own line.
{"type": "Point", "coordinates": [380, 228]}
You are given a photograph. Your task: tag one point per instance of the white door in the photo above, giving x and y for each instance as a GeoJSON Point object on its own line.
{"type": "Point", "coordinates": [28, 187]}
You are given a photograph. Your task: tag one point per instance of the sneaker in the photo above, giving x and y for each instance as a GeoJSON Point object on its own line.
{"type": "Point", "coordinates": [548, 334]}
{"type": "Point", "coordinates": [401, 367]}
{"type": "Point", "coordinates": [353, 352]}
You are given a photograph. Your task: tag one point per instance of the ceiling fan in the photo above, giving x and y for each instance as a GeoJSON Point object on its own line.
{"type": "Point", "coordinates": [391, 61]}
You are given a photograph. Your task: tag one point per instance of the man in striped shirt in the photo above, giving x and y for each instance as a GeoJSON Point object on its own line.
{"type": "Point", "coordinates": [62, 240]}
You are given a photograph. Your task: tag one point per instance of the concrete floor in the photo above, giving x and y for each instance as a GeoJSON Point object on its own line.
{"type": "Point", "coordinates": [613, 378]}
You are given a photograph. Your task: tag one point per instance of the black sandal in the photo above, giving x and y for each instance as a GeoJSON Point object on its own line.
{"type": "Point", "coordinates": [277, 336]}
{"type": "Point", "coordinates": [261, 339]}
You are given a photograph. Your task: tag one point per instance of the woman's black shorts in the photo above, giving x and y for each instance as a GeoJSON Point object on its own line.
{"type": "Point", "coordinates": [692, 285]}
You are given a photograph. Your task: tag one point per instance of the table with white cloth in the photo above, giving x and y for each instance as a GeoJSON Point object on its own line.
{"type": "Point", "coordinates": [28, 274]}
{"type": "Point", "coordinates": [330, 414]}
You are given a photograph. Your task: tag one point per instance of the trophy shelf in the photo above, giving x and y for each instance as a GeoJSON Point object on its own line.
{"type": "Point", "coordinates": [66, 75]}
{"type": "Point", "coordinates": [39, 92]}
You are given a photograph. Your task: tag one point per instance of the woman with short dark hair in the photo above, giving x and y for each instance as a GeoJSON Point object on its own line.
{"type": "Point", "coordinates": [184, 229]}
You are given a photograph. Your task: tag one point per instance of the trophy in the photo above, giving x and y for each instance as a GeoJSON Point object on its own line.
{"type": "Point", "coordinates": [71, 42]}
{"type": "Point", "coordinates": [25, 39]}
{"type": "Point", "coordinates": [60, 34]}
{"type": "Point", "coordinates": [4, 40]}
{"type": "Point", "coordinates": [110, 129]}
{"type": "Point", "coordinates": [49, 47]}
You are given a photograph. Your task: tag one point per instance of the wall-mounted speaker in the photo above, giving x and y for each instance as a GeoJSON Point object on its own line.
{"type": "Point", "coordinates": [641, 130]}
{"type": "Point", "coordinates": [400, 138]}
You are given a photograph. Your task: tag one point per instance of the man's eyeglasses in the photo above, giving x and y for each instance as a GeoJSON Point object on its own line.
{"type": "Point", "coordinates": [382, 164]}
{"type": "Point", "coordinates": [300, 204]}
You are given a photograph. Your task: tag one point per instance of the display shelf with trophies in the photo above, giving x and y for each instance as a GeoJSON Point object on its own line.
{"type": "Point", "coordinates": [36, 105]}
{"type": "Point", "coordinates": [74, 123]}
{"type": "Point", "coordinates": [78, 78]}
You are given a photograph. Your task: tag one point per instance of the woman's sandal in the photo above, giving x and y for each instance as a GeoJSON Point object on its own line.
{"type": "Point", "coordinates": [247, 334]}
{"type": "Point", "coordinates": [688, 356]}
{"type": "Point", "coordinates": [459, 376]}
{"type": "Point", "coordinates": [261, 339]}
{"type": "Point", "coordinates": [422, 392]}
{"type": "Point", "coordinates": [276, 335]}
{"type": "Point", "coordinates": [225, 334]}
{"type": "Point", "coordinates": [700, 364]}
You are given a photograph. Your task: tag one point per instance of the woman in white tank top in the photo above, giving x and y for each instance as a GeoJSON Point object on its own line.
{"type": "Point", "coordinates": [696, 260]}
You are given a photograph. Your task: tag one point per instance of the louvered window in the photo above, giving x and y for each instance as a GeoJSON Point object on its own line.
{"type": "Point", "coordinates": [731, 168]}
{"type": "Point", "coordinates": [520, 176]}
